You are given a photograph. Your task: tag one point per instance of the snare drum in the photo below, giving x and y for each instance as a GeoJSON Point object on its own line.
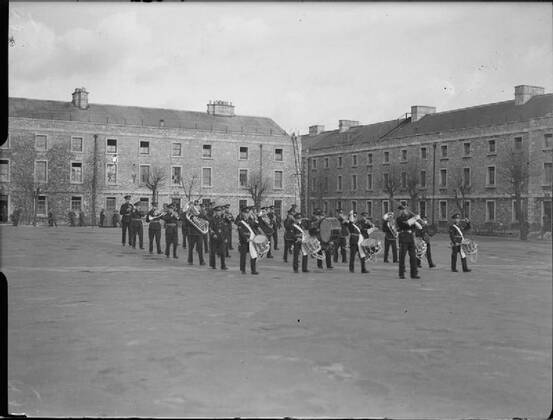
{"type": "Point", "coordinates": [330, 229]}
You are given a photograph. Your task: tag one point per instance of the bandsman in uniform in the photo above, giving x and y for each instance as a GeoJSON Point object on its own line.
{"type": "Point", "coordinates": [217, 238]}
{"type": "Point", "coordinates": [425, 235]}
{"type": "Point", "coordinates": [266, 225]}
{"type": "Point", "coordinates": [184, 228]}
{"type": "Point", "coordinates": [206, 212]}
{"type": "Point", "coordinates": [390, 236]}
{"type": "Point", "coordinates": [229, 219]}
{"type": "Point", "coordinates": [344, 232]}
{"type": "Point", "coordinates": [277, 224]}
{"type": "Point", "coordinates": [196, 237]}
{"type": "Point", "coordinates": [456, 230]}
{"type": "Point", "coordinates": [315, 230]}
{"type": "Point", "coordinates": [357, 226]}
{"type": "Point", "coordinates": [136, 226]}
{"type": "Point", "coordinates": [154, 228]}
{"type": "Point", "coordinates": [125, 212]}
{"type": "Point", "coordinates": [171, 219]}
{"type": "Point", "coordinates": [406, 237]}
{"type": "Point", "coordinates": [290, 234]}
{"type": "Point", "coordinates": [246, 225]}
{"type": "Point", "coordinates": [297, 244]}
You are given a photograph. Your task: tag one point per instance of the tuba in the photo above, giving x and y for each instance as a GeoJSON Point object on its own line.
{"type": "Point", "coordinates": [202, 225]}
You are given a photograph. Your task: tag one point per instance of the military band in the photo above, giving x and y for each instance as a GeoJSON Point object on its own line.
{"type": "Point", "coordinates": [341, 243]}
{"type": "Point", "coordinates": [247, 227]}
{"type": "Point", "coordinates": [136, 226]}
{"type": "Point", "coordinates": [405, 223]}
{"type": "Point", "coordinates": [456, 230]}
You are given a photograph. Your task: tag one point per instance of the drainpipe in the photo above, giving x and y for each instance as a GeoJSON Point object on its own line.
{"type": "Point", "coordinates": [433, 181]}
{"type": "Point", "coordinates": [94, 179]}
{"type": "Point", "coordinates": [260, 169]}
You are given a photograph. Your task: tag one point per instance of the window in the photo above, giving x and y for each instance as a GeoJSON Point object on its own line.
{"type": "Point", "coordinates": [41, 206]}
{"type": "Point", "coordinates": [443, 178]}
{"type": "Point", "coordinates": [385, 179]}
{"type": "Point", "coordinates": [314, 163]}
{"type": "Point", "coordinates": [339, 204]}
{"type": "Point", "coordinates": [144, 147]}
{"type": "Point", "coordinates": [144, 174]}
{"type": "Point", "coordinates": [325, 207]}
{"type": "Point", "coordinates": [443, 210]}
{"type": "Point", "coordinates": [491, 146]}
{"type": "Point", "coordinates": [243, 153]}
{"type": "Point", "coordinates": [206, 177]}
{"type": "Point", "coordinates": [466, 177]}
{"type": "Point", "coordinates": [424, 153]}
{"type": "Point", "coordinates": [353, 160]}
{"type": "Point", "coordinates": [326, 184]}
{"type": "Point", "coordinates": [404, 180]}
{"type": "Point", "coordinates": [518, 143]}
{"type": "Point", "coordinates": [176, 175]}
{"type": "Point", "coordinates": [339, 163]}
{"type": "Point", "coordinates": [243, 177]}
{"type": "Point", "coordinates": [369, 158]}
{"type": "Point", "coordinates": [490, 210]}
{"type": "Point", "coordinates": [41, 171]}
{"type": "Point", "coordinates": [4, 170]}
{"type": "Point", "coordinates": [177, 149]}
{"type": "Point", "coordinates": [339, 183]}
{"type": "Point", "coordinates": [404, 155]}
{"type": "Point", "coordinates": [385, 207]}
{"type": "Point", "coordinates": [111, 146]}
{"type": "Point", "coordinates": [41, 143]}
{"type": "Point", "coordinates": [313, 184]}
{"type": "Point", "coordinates": [547, 173]}
{"type": "Point", "coordinates": [278, 180]}
{"type": "Point", "coordinates": [423, 179]}
{"type": "Point", "coordinates": [466, 149]}
{"type": "Point", "coordinates": [369, 208]}
{"type": "Point", "coordinates": [206, 201]}
{"type": "Point", "coordinates": [369, 181]}
{"type": "Point", "coordinates": [242, 203]}
{"type": "Point", "coordinates": [354, 205]}
{"type": "Point", "coordinates": [354, 182]}
{"type": "Point", "coordinates": [326, 162]}
{"type": "Point", "coordinates": [386, 157]}
{"type": "Point", "coordinates": [278, 207]}
{"type": "Point", "coordinates": [111, 204]}
{"type": "Point", "coordinates": [490, 176]}
{"type": "Point", "coordinates": [466, 208]}
{"type": "Point", "coordinates": [76, 172]}
{"type": "Point", "coordinates": [443, 148]}
{"type": "Point", "coordinates": [514, 211]}
{"type": "Point", "coordinates": [206, 151]}
{"type": "Point", "coordinates": [111, 174]}
{"type": "Point", "coordinates": [76, 203]}
{"type": "Point", "coordinates": [422, 208]}
{"type": "Point", "coordinates": [278, 155]}
{"type": "Point", "coordinates": [547, 140]}
{"type": "Point", "coordinates": [77, 144]}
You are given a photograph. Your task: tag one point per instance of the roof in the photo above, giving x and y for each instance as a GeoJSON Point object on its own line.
{"type": "Point", "coordinates": [477, 116]}
{"type": "Point", "coordinates": [138, 116]}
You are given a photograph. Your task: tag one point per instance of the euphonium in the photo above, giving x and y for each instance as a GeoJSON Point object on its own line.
{"type": "Point", "coordinates": [415, 220]}
{"type": "Point", "coordinates": [200, 224]}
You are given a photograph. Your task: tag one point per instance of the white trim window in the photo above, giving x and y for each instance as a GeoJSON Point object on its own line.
{"type": "Point", "coordinates": [490, 176]}
{"type": "Point", "coordinates": [111, 205]}
{"type": "Point", "coordinates": [76, 172]}
{"type": "Point", "coordinates": [176, 175]}
{"type": "Point", "coordinates": [278, 180]}
{"type": "Point", "coordinates": [326, 162]}
{"type": "Point", "coordinates": [490, 210]}
{"type": "Point", "coordinates": [547, 173]}
{"type": "Point", "coordinates": [369, 181]}
{"type": "Point", "coordinates": [143, 174]}
{"type": "Point", "coordinates": [325, 207]}
{"type": "Point", "coordinates": [369, 158]}
{"type": "Point", "coordinates": [467, 149]}
{"type": "Point", "coordinates": [443, 210]}
{"type": "Point", "coordinates": [443, 178]}
{"type": "Point", "coordinates": [513, 212]}
{"type": "Point", "coordinates": [386, 157]}
{"type": "Point", "coordinates": [404, 155]}
{"type": "Point", "coordinates": [243, 153]}
{"type": "Point", "coordinates": [279, 153]}
{"type": "Point", "coordinates": [41, 142]}
{"type": "Point", "coordinates": [207, 151]}
{"type": "Point", "coordinates": [422, 208]}
{"type": "Point", "coordinates": [42, 205]}
{"type": "Point", "coordinates": [547, 140]}
{"type": "Point", "coordinates": [385, 207]}
{"type": "Point", "coordinates": [353, 161]}
{"type": "Point", "coordinates": [111, 174]}
{"type": "Point", "coordinates": [422, 180]}
{"type": "Point", "coordinates": [467, 208]}
{"type": "Point", "coordinates": [443, 151]}
{"type": "Point", "coordinates": [369, 207]}
{"type": "Point", "coordinates": [111, 146]}
{"type": "Point", "coordinates": [206, 177]}
{"type": "Point", "coordinates": [339, 162]}
{"type": "Point", "coordinates": [339, 183]}
{"type": "Point", "coordinates": [176, 149]}
{"type": "Point", "coordinates": [4, 170]}
{"type": "Point", "coordinates": [76, 203]}
{"type": "Point", "coordinates": [467, 182]}
{"type": "Point", "coordinates": [41, 171]}
{"type": "Point", "coordinates": [313, 163]}
{"type": "Point", "coordinates": [144, 147]}
{"type": "Point", "coordinates": [518, 143]}
{"type": "Point", "coordinates": [76, 144]}
{"type": "Point", "coordinates": [404, 180]}
{"type": "Point", "coordinates": [491, 146]}
{"type": "Point", "coordinates": [354, 205]}
{"type": "Point", "coordinates": [424, 153]}
{"type": "Point", "coordinates": [354, 182]}
{"type": "Point", "coordinates": [243, 178]}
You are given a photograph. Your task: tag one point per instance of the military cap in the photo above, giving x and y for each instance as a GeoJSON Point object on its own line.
{"type": "Point", "coordinates": [401, 207]}
{"type": "Point", "coordinates": [171, 205]}
{"type": "Point", "coordinates": [456, 216]}
{"type": "Point", "coordinates": [226, 206]}
{"type": "Point", "coordinates": [127, 197]}
{"type": "Point", "coordinates": [318, 212]}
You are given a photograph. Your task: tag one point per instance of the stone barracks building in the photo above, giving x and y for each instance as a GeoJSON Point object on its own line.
{"type": "Point", "coordinates": [85, 157]}
{"type": "Point", "coordinates": [474, 160]}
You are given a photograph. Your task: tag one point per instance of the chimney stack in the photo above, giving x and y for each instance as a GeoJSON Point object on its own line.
{"type": "Point", "coordinates": [316, 129]}
{"type": "Point", "coordinates": [221, 108]}
{"type": "Point", "coordinates": [345, 125]}
{"type": "Point", "coordinates": [523, 93]}
{"type": "Point", "coordinates": [80, 98]}
{"type": "Point", "coordinates": [419, 111]}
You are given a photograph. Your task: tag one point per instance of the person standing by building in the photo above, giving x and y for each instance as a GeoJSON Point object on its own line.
{"type": "Point", "coordinates": [456, 236]}
{"type": "Point", "coordinates": [125, 212]}
{"type": "Point", "coordinates": [246, 228]}
{"type": "Point", "coordinates": [390, 236]}
{"type": "Point", "coordinates": [277, 224]}
{"type": "Point", "coordinates": [218, 238]}
{"type": "Point", "coordinates": [102, 217]}
{"type": "Point", "coordinates": [52, 219]}
{"type": "Point", "coordinates": [81, 218]}
{"type": "Point", "coordinates": [424, 234]}
{"type": "Point", "coordinates": [137, 228]}
{"type": "Point", "coordinates": [154, 228]}
{"type": "Point", "coordinates": [340, 245]}
{"type": "Point", "coordinates": [114, 218]}
{"type": "Point", "coordinates": [290, 234]}
{"type": "Point", "coordinates": [405, 224]}
{"type": "Point", "coordinates": [72, 217]}
{"type": "Point", "coordinates": [171, 219]}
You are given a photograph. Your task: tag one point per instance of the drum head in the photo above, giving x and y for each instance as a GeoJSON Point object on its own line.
{"type": "Point", "coordinates": [260, 239]}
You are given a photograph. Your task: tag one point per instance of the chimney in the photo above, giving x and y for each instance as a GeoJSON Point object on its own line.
{"type": "Point", "coordinates": [316, 129]}
{"type": "Point", "coordinates": [80, 98]}
{"type": "Point", "coordinates": [419, 111]}
{"type": "Point", "coordinates": [523, 93]}
{"type": "Point", "coordinates": [344, 125]}
{"type": "Point", "coordinates": [222, 108]}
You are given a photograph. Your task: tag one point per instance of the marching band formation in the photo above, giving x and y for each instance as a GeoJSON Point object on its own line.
{"type": "Point", "coordinates": [208, 228]}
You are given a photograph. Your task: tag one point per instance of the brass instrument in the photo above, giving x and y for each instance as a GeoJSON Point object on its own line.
{"type": "Point", "coordinates": [261, 244]}
{"type": "Point", "coordinates": [420, 248]}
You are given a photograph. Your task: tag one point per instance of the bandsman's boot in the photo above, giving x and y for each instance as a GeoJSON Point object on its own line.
{"type": "Point", "coordinates": [464, 264]}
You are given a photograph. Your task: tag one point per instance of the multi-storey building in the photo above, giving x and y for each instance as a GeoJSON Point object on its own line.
{"type": "Point", "coordinates": [481, 161]}
{"type": "Point", "coordinates": [84, 156]}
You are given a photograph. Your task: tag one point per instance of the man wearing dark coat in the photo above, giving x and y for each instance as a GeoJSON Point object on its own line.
{"type": "Point", "coordinates": [137, 228]}
{"type": "Point", "coordinates": [125, 212]}
{"type": "Point", "coordinates": [217, 238]}
{"type": "Point", "coordinates": [456, 230]}
{"type": "Point", "coordinates": [406, 237]}
{"type": "Point", "coordinates": [247, 227]}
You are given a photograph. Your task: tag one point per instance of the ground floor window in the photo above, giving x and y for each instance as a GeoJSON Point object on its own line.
{"type": "Point", "coordinates": [466, 208]}
{"type": "Point", "coordinates": [422, 208]}
{"type": "Point", "coordinates": [490, 211]}
{"type": "Point", "coordinates": [354, 205]}
{"type": "Point", "coordinates": [111, 203]}
{"type": "Point", "coordinates": [76, 203]}
{"type": "Point", "coordinates": [514, 212]}
{"type": "Point", "coordinates": [144, 204]}
{"type": "Point", "coordinates": [3, 208]}
{"type": "Point", "coordinates": [443, 210]}
{"type": "Point", "coordinates": [325, 207]}
{"type": "Point", "coordinates": [241, 204]}
{"type": "Point", "coordinates": [339, 204]}
{"type": "Point", "coordinates": [370, 208]}
{"type": "Point", "coordinates": [41, 206]}
{"type": "Point", "coordinates": [385, 207]}
{"type": "Point", "coordinates": [278, 207]}
{"type": "Point", "coordinates": [177, 202]}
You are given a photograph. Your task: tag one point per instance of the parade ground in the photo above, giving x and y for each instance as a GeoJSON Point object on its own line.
{"type": "Point", "coordinates": [96, 329]}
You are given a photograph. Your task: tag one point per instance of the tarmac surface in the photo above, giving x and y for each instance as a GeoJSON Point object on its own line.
{"type": "Point", "coordinates": [96, 329]}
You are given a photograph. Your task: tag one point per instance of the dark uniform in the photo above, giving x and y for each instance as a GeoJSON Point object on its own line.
{"type": "Point", "coordinates": [154, 230]}
{"type": "Point", "coordinates": [341, 242]}
{"type": "Point", "coordinates": [456, 237]}
{"type": "Point", "coordinates": [360, 227]}
{"type": "Point", "coordinates": [52, 219]}
{"type": "Point", "coordinates": [125, 212]}
{"type": "Point", "coordinates": [102, 217]}
{"type": "Point", "coordinates": [277, 224]}
{"type": "Point", "coordinates": [425, 236]}
{"type": "Point", "coordinates": [230, 220]}
{"type": "Point", "coordinates": [184, 230]}
{"type": "Point", "coordinates": [297, 244]}
{"type": "Point", "coordinates": [326, 248]}
{"type": "Point", "coordinates": [406, 244]}
{"type": "Point", "coordinates": [390, 240]}
{"type": "Point", "coordinates": [217, 239]}
{"type": "Point", "coordinates": [289, 235]}
{"type": "Point", "coordinates": [136, 227]}
{"type": "Point", "coordinates": [171, 231]}
{"type": "Point", "coordinates": [195, 241]}
{"type": "Point", "coordinates": [266, 225]}
{"type": "Point", "coordinates": [244, 240]}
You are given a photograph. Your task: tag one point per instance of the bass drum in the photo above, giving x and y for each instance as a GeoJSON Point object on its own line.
{"type": "Point", "coordinates": [330, 229]}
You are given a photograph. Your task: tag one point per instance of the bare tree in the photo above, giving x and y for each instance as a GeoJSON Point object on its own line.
{"type": "Point", "coordinates": [461, 188]}
{"type": "Point", "coordinates": [257, 187]}
{"type": "Point", "coordinates": [156, 179]}
{"type": "Point", "coordinates": [189, 185]}
{"type": "Point", "coordinates": [23, 155]}
{"type": "Point", "coordinates": [413, 181]}
{"type": "Point", "coordinates": [391, 182]}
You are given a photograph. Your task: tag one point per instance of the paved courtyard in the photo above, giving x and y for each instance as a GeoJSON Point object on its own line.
{"type": "Point", "coordinates": [96, 329]}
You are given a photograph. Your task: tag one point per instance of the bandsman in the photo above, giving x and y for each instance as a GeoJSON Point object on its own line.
{"type": "Point", "coordinates": [218, 238]}
{"type": "Point", "coordinates": [406, 237]}
{"type": "Point", "coordinates": [297, 244]}
{"type": "Point", "coordinates": [326, 248]}
{"type": "Point", "coordinates": [154, 228]}
{"type": "Point", "coordinates": [357, 226]}
{"type": "Point", "coordinates": [246, 227]}
{"type": "Point", "coordinates": [425, 235]}
{"type": "Point", "coordinates": [340, 244]}
{"type": "Point", "coordinates": [206, 212]}
{"type": "Point", "coordinates": [171, 219]}
{"type": "Point", "coordinates": [136, 226]}
{"type": "Point", "coordinates": [125, 212]}
{"type": "Point", "coordinates": [390, 236]}
{"type": "Point", "coordinates": [456, 230]}
{"type": "Point", "coordinates": [229, 220]}
{"type": "Point", "coordinates": [266, 225]}
{"type": "Point", "coordinates": [184, 228]}
{"type": "Point", "coordinates": [196, 237]}
{"type": "Point", "coordinates": [277, 224]}
{"type": "Point", "coordinates": [290, 234]}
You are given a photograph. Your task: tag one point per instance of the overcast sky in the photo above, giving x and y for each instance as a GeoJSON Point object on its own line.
{"type": "Point", "coordinates": [297, 63]}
